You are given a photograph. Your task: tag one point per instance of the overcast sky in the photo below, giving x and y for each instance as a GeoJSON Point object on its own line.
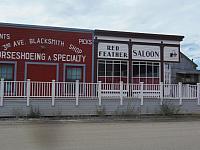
{"type": "Point", "coordinates": [181, 17]}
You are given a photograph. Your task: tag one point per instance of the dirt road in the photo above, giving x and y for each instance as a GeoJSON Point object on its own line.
{"type": "Point", "coordinates": [100, 136]}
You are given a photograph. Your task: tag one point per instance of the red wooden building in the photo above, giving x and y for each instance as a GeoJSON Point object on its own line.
{"type": "Point", "coordinates": [43, 53]}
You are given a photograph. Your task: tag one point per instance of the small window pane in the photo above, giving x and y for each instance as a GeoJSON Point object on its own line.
{"type": "Point", "coordinates": [109, 62]}
{"type": "Point", "coordinates": [9, 70]}
{"type": "Point", "coordinates": [149, 70]}
{"type": "Point", "coordinates": [9, 76]}
{"type": "Point", "coordinates": [156, 64]}
{"type": "Point", "coordinates": [124, 70]}
{"type": "Point", "coordinates": [69, 72]}
{"type": "Point", "coordinates": [135, 63]}
{"type": "Point", "coordinates": [78, 72]}
{"type": "Point", "coordinates": [117, 62]}
{"type": "Point", "coordinates": [6, 71]}
{"type": "Point", "coordinates": [156, 71]}
{"type": "Point", "coordinates": [3, 70]}
{"type": "Point", "coordinates": [143, 70]}
{"type": "Point", "coordinates": [74, 74]}
{"type": "Point", "coordinates": [143, 63]}
{"type": "Point", "coordinates": [3, 75]}
{"type": "Point", "coordinates": [108, 69]}
{"type": "Point", "coordinates": [135, 70]}
{"type": "Point", "coordinates": [102, 61]}
{"type": "Point", "coordinates": [116, 69]}
{"type": "Point", "coordinates": [101, 70]}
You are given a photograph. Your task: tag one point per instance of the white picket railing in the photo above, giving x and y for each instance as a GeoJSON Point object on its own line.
{"type": "Point", "coordinates": [33, 89]}
{"type": "Point", "coordinates": [40, 89]}
{"type": "Point", "coordinates": [65, 89]}
{"type": "Point", "coordinates": [14, 88]}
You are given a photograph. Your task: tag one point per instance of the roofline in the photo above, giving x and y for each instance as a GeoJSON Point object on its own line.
{"type": "Point", "coordinates": [99, 32]}
{"type": "Point", "coordinates": [44, 27]}
{"type": "Point", "coordinates": [189, 59]}
{"type": "Point", "coordinates": [138, 35]}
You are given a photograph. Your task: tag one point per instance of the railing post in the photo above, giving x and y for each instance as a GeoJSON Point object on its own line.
{"type": "Point", "coordinates": [2, 92]}
{"type": "Point", "coordinates": [142, 93]}
{"type": "Point", "coordinates": [180, 93]}
{"type": "Point", "coordinates": [187, 90]}
{"type": "Point", "coordinates": [121, 93]}
{"type": "Point", "coordinates": [28, 92]}
{"type": "Point", "coordinates": [198, 93]}
{"type": "Point", "coordinates": [53, 93]}
{"type": "Point", "coordinates": [161, 93]}
{"type": "Point", "coordinates": [99, 92]}
{"type": "Point", "coordinates": [77, 91]}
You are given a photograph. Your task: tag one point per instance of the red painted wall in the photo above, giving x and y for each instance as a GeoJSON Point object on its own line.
{"type": "Point", "coordinates": [29, 45]}
{"type": "Point", "coordinates": [43, 73]}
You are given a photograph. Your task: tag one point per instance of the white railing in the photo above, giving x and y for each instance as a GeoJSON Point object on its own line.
{"type": "Point", "coordinates": [15, 88]}
{"type": "Point", "coordinates": [32, 89]}
{"type": "Point", "coordinates": [134, 90]}
{"type": "Point", "coordinates": [171, 91]}
{"type": "Point", "coordinates": [65, 89]}
{"type": "Point", "coordinates": [88, 90]}
{"type": "Point", "coordinates": [40, 89]}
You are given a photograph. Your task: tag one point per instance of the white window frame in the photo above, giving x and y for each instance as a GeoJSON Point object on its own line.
{"type": "Point", "coordinates": [146, 77]}
{"type": "Point", "coordinates": [113, 62]}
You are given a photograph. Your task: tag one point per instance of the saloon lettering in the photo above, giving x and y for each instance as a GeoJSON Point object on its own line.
{"type": "Point", "coordinates": [146, 53]}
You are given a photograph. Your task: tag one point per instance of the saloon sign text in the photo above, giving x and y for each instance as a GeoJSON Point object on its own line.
{"type": "Point", "coordinates": [145, 52]}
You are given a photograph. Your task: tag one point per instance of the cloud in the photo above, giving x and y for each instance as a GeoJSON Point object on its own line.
{"type": "Point", "coordinates": [179, 17]}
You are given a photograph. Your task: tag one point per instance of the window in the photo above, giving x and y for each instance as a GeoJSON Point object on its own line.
{"type": "Point", "coordinates": [156, 70]}
{"type": "Point", "coordinates": [136, 71]}
{"type": "Point", "coordinates": [112, 71]}
{"type": "Point", "coordinates": [109, 69]}
{"type": "Point", "coordinates": [117, 70]}
{"type": "Point", "coordinates": [74, 73]}
{"type": "Point", "coordinates": [147, 72]}
{"type": "Point", "coordinates": [7, 71]}
{"type": "Point", "coordinates": [143, 69]}
{"type": "Point", "coordinates": [124, 69]}
{"type": "Point", "coordinates": [101, 71]}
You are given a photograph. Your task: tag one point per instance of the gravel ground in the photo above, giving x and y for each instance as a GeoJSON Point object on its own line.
{"type": "Point", "coordinates": [99, 135]}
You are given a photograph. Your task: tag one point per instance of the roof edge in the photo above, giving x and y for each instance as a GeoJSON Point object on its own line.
{"type": "Point", "coordinates": [43, 27]}
{"type": "Point", "coordinates": [189, 59]}
{"type": "Point", "coordinates": [138, 35]}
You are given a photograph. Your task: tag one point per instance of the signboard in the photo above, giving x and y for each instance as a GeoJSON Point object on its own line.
{"type": "Point", "coordinates": [145, 52]}
{"type": "Point", "coordinates": [171, 54]}
{"type": "Point", "coordinates": [113, 50]}
{"type": "Point", "coordinates": [44, 45]}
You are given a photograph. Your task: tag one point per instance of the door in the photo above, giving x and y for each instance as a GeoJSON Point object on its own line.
{"type": "Point", "coordinates": [41, 72]}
